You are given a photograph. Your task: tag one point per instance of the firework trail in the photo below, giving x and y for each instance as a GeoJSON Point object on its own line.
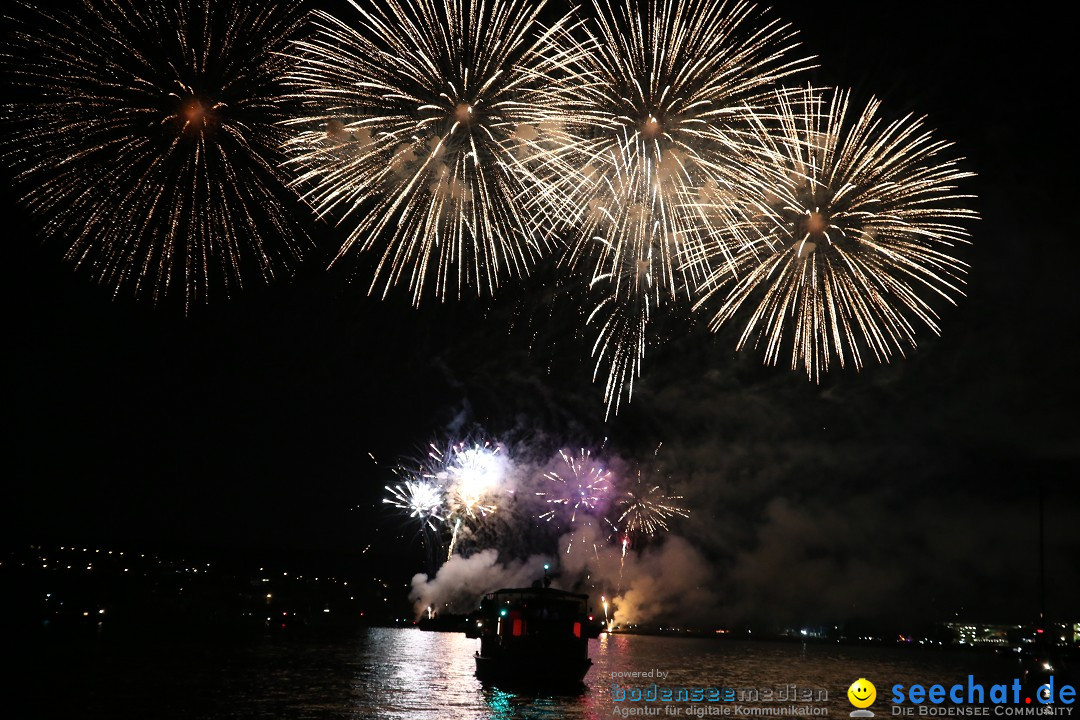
{"type": "Point", "coordinates": [625, 543]}
{"type": "Point", "coordinates": [424, 129]}
{"type": "Point", "coordinates": [148, 140]}
{"type": "Point", "coordinates": [453, 538]}
{"type": "Point", "coordinates": [655, 114]}
{"type": "Point", "coordinates": [862, 224]}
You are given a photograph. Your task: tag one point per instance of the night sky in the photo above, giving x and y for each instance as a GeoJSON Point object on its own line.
{"type": "Point", "coordinates": [908, 487]}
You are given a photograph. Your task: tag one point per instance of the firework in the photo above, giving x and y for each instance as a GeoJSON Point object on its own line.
{"type": "Point", "coordinates": [420, 499]}
{"type": "Point", "coordinates": [655, 115]}
{"type": "Point", "coordinates": [425, 124]}
{"type": "Point", "coordinates": [470, 475]}
{"type": "Point", "coordinates": [862, 225]}
{"type": "Point", "coordinates": [581, 486]}
{"type": "Point", "coordinates": [646, 510]}
{"type": "Point", "coordinates": [423, 501]}
{"type": "Point", "coordinates": [148, 140]}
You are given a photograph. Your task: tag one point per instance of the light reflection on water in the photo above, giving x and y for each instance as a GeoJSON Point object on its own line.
{"type": "Point", "coordinates": [407, 673]}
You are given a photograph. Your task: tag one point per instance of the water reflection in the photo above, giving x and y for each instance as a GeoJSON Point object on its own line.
{"type": "Point", "coordinates": [503, 705]}
{"type": "Point", "coordinates": [410, 674]}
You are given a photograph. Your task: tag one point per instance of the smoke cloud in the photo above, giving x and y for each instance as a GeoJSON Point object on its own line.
{"type": "Point", "coordinates": [462, 581]}
{"type": "Point", "coordinates": [668, 579]}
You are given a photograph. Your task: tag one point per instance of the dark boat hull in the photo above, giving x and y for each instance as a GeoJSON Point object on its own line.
{"type": "Point", "coordinates": [532, 671]}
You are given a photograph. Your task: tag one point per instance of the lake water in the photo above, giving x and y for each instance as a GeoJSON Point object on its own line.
{"type": "Point", "coordinates": [413, 675]}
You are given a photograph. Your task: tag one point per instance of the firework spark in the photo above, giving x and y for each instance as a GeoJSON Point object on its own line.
{"type": "Point", "coordinates": [148, 140]}
{"type": "Point", "coordinates": [420, 499]}
{"type": "Point", "coordinates": [860, 234]}
{"type": "Point", "coordinates": [581, 486]}
{"type": "Point", "coordinates": [647, 509]}
{"type": "Point", "coordinates": [424, 127]}
{"type": "Point", "coordinates": [655, 116]}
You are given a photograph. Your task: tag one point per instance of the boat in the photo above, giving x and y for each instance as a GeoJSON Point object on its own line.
{"type": "Point", "coordinates": [444, 622]}
{"type": "Point", "coordinates": [533, 636]}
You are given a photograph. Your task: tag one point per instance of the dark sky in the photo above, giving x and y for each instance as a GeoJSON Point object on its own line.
{"type": "Point", "coordinates": [248, 424]}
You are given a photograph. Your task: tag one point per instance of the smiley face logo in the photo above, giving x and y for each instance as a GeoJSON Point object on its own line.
{"type": "Point", "coordinates": [862, 693]}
